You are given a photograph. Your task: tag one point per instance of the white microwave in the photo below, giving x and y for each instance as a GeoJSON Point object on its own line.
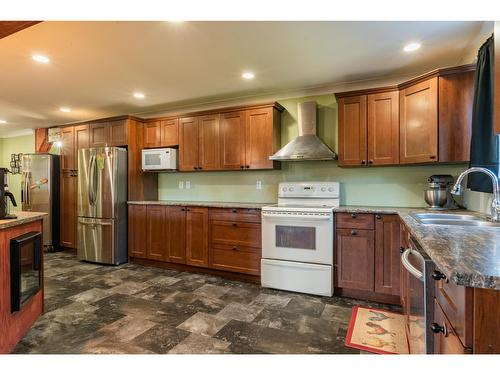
{"type": "Point", "coordinates": [159, 159]}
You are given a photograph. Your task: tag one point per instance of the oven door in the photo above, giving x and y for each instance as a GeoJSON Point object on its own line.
{"type": "Point", "coordinates": [298, 237]}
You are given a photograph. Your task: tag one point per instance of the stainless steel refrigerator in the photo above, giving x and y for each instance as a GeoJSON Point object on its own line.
{"type": "Point", "coordinates": [40, 193]}
{"type": "Point", "coordinates": [102, 205]}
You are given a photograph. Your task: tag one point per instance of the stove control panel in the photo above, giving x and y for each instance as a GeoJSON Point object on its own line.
{"type": "Point", "coordinates": [309, 190]}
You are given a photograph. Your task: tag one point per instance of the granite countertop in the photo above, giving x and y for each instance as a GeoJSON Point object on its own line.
{"type": "Point", "coordinates": [468, 256]}
{"type": "Point", "coordinates": [23, 217]}
{"type": "Point", "coordinates": [205, 204]}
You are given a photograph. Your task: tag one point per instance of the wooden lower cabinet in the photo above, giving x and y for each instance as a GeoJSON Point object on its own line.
{"type": "Point", "coordinates": [68, 224]}
{"type": "Point", "coordinates": [197, 236]}
{"type": "Point", "coordinates": [387, 254]}
{"type": "Point", "coordinates": [157, 233]}
{"type": "Point", "coordinates": [176, 229]}
{"type": "Point", "coordinates": [137, 230]}
{"type": "Point", "coordinates": [446, 340]}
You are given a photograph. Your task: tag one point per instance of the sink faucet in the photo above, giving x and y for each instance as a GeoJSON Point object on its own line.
{"type": "Point", "coordinates": [495, 203]}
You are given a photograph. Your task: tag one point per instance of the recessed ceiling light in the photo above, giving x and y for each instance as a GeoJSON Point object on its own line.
{"type": "Point", "coordinates": [248, 75]}
{"type": "Point", "coordinates": [65, 109]}
{"type": "Point", "coordinates": [411, 47]}
{"type": "Point", "coordinates": [41, 59]}
{"type": "Point", "coordinates": [139, 95]}
{"type": "Point", "coordinates": [3, 122]}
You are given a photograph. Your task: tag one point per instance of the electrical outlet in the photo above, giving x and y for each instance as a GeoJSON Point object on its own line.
{"type": "Point", "coordinates": [258, 185]}
{"type": "Point", "coordinates": [181, 184]}
{"type": "Point", "coordinates": [188, 184]}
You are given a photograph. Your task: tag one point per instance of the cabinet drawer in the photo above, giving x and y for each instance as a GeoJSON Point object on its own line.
{"type": "Point", "coordinates": [355, 221]}
{"type": "Point", "coordinates": [457, 304]}
{"type": "Point", "coordinates": [446, 342]}
{"type": "Point", "coordinates": [235, 259]}
{"type": "Point", "coordinates": [236, 233]}
{"type": "Point", "coordinates": [248, 215]}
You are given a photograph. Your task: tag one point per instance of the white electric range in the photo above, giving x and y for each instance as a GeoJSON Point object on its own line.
{"type": "Point", "coordinates": [298, 237]}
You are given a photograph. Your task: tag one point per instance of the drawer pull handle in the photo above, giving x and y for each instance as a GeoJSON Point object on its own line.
{"type": "Point", "coordinates": [438, 275]}
{"type": "Point", "coordinates": [354, 216]}
{"type": "Point", "coordinates": [378, 217]}
{"type": "Point", "coordinates": [353, 232]}
{"type": "Point", "coordinates": [235, 248]}
{"type": "Point", "coordinates": [234, 210]}
{"type": "Point", "coordinates": [235, 225]}
{"type": "Point", "coordinates": [363, 162]}
{"type": "Point", "coordinates": [436, 328]}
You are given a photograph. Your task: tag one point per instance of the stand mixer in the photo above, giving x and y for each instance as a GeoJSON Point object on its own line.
{"type": "Point", "coordinates": [438, 195]}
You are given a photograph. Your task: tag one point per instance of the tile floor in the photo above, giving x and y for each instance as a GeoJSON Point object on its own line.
{"type": "Point", "coordinates": [134, 309]}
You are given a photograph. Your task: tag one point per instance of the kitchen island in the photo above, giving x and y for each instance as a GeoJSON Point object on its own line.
{"type": "Point", "coordinates": [15, 324]}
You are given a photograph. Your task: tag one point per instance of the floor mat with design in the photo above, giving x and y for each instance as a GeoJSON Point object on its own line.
{"type": "Point", "coordinates": [377, 331]}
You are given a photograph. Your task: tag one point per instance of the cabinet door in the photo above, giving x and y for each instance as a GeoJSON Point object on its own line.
{"type": "Point", "coordinates": [137, 230]}
{"type": "Point", "coordinates": [209, 150]}
{"type": "Point", "coordinates": [387, 254]}
{"type": "Point", "coordinates": [232, 140]}
{"type": "Point", "coordinates": [99, 134]}
{"type": "Point", "coordinates": [177, 234]}
{"type": "Point", "coordinates": [259, 138]}
{"type": "Point", "coordinates": [152, 134]}
{"type": "Point", "coordinates": [352, 130]}
{"type": "Point", "coordinates": [355, 259]}
{"type": "Point", "coordinates": [419, 123]}
{"type": "Point", "coordinates": [118, 133]}
{"type": "Point", "coordinates": [197, 236]}
{"type": "Point", "coordinates": [81, 138]}
{"type": "Point", "coordinates": [68, 209]}
{"type": "Point", "coordinates": [403, 285]}
{"type": "Point", "coordinates": [383, 128]}
{"type": "Point", "coordinates": [170, 133]}
{"type": "Point", "coordinates": [157, 236]}
{"type": "Point", "coordinates": [446, 341]}
{"type": "Point", "coordinates": [68, 161]}
{"type": "Point", "coordinates": [188, 144]}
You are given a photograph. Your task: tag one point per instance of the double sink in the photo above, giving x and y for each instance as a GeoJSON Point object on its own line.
{"type": "Point", "coordinates": [454, 219]}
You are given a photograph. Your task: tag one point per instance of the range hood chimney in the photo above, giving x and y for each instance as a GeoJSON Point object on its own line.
{"type": "Point", "coordinates": [307, 146]}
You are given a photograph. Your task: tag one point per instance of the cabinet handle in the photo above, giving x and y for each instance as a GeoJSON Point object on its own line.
{"type": "Point", "coordinates": [235, 248]}
{"type": "Point", "coordinates": [242, 166]}
{"type": "Point", "coordinates": [432, 157]}
{"type": "Point", "coordinates": [200, 167]}
{"type": "Point", "coordinates": [353, 233]}
{"type": "Point", "coordinates": [378, 217]}
{"type": "Point", "coordinates": [195, 167]}
{"type": "Point", "coordinates": [436, 328]}
{"type": "Point", "coordinates": [187, 209]}
{"type": "Point", "coordinates": [354, 216]}
{"type": "Point", "coordinates": [235, 225]}
{"type": "Point", "coordinates": [370, 161]}
{"type": "Point", "coordinates": [183, 209]}
{"type": "Point", "coordinates": [247, 166]}
{"type": "Point", "coordinates": [234, 210]}
{"type": "Point", "coordinates": [363, 162]}
{"type": "Point", "coordinates": [438, 275]}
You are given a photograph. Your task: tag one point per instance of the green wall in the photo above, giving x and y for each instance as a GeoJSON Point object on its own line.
{"type": "Point", "coordinates": [23, 144]}
{"type": "Point", "coordinates": [383, 186]}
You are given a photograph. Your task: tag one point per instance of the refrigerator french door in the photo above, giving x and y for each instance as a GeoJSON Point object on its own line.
{"type": "Point", "coordinates": [102, 205]}
{"type": "Point", "coordinates": [40, 193]}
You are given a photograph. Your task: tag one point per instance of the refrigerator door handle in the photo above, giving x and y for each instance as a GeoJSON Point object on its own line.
{"type": "Point", "coordinates": [90, 185]}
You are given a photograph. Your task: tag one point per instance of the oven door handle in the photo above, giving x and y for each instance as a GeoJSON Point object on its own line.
{"type": "Point", "coordinates": [292, 216]}
{"type": "Point", "coordinates": [409, 267]}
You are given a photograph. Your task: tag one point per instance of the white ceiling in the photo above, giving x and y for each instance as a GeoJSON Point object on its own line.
{"type": "Point", "coordinates": [96, 66]}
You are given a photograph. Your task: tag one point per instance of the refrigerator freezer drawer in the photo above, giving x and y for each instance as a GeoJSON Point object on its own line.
{"type": "Point", "coordinates": [96, 240]}
{"type": "Point", "coordinates": [297, 277]}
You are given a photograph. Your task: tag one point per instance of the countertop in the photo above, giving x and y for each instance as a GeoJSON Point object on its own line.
{"type": "Point", "coordinates": [204, 204]}
{"type": "Point", "coordinates": [468, 256]}
{"type": "Point", "coordinates": [23, 217]}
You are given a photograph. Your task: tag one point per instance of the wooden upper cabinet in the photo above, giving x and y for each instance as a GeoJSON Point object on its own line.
{"type": "Point", "coordinates": [152, 134]}
{"type": "Point", "coordinates": [176, 234]}
{"type": "Point", "coordinates": [99, 134]}
{"type": "Point", "coordinates": [209, 150]}
{"type": "Point", "coordinates": [383, 128]}
{"type": "Point", "coordinates": [81, 137]}
{"type": "Point", "coordinates": [260, 138]}
{"type": "Point", "coordinates": [232, 140]}
{"type": "Point", "coordinates": [387, 254]}
{"type": "Point", "coordinates": [197, 236]}
{"type": "Point", "coordinates": [118, 132]}
{"type": "Point", "coordinates": [188, 144]}
{"type": "Point", "coordinates": [169, 132]}
{"type": "Point", "coordinates": [419, 122]}
{"type": "Point", "coordinates": [68, 160]}
{"type": "Point", "coordinates": [137, 231]}
{"type": "Point", "coordinates": [352, 131]}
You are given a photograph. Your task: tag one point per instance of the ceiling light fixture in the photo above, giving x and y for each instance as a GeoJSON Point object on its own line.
{"type": "Point", "coordinates": [3, 122]}
{"type": "Point", "coordinates": [41, 59]}
{"type": "Point", "coordinates": [65, 109]}
{"type": "Point", "coordinates": [411, 47]}
{"type": "Point", "coordinates": [139, 95]}
{"type": "Point", "coordinates": [248, 75]}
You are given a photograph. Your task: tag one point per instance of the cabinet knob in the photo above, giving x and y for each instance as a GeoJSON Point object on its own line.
{"type": "Point", "coordinates": [235, 225]}
{"type": "Point", "coordinates": [432, 157]}
{"type": "Point", "coordinates": [234, 210]}
{"type": "Point", "coordinates": [378, 217]}
{"type": "Point", "coordinates": [183, 209]}
{"type": "Point", "coordinates": [235, 247]}
{"type": "Point", "coordinates": [353, 233]}
{"type": "Point", "coordinates": [247, 166]}
{"type": "Point", "coordinates": [354, 216]}
{"type": "Point", "coordinates": [242, 166]}
{"type": "Point", "coordinates": [200, 167]}
{"type": "Point", "coordinates": [438, 275]}
{"type": "Point", "coordinates": [370, 161]}
{"type": "Point", "coordinates": [436, 328]}
{"type": "Point", "coordinates": [187, 209]}
{"type": "Point", "coordinates": [363, 162]}
{"type": "Point", "coordinates": [195, 167]}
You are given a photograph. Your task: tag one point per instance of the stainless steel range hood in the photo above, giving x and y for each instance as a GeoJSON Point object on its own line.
{"type": "Point", "coordinates": [307, 146]}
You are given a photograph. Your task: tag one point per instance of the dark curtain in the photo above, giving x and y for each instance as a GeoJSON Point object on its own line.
{"type": "Point", "coordinates": [484, 150]}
